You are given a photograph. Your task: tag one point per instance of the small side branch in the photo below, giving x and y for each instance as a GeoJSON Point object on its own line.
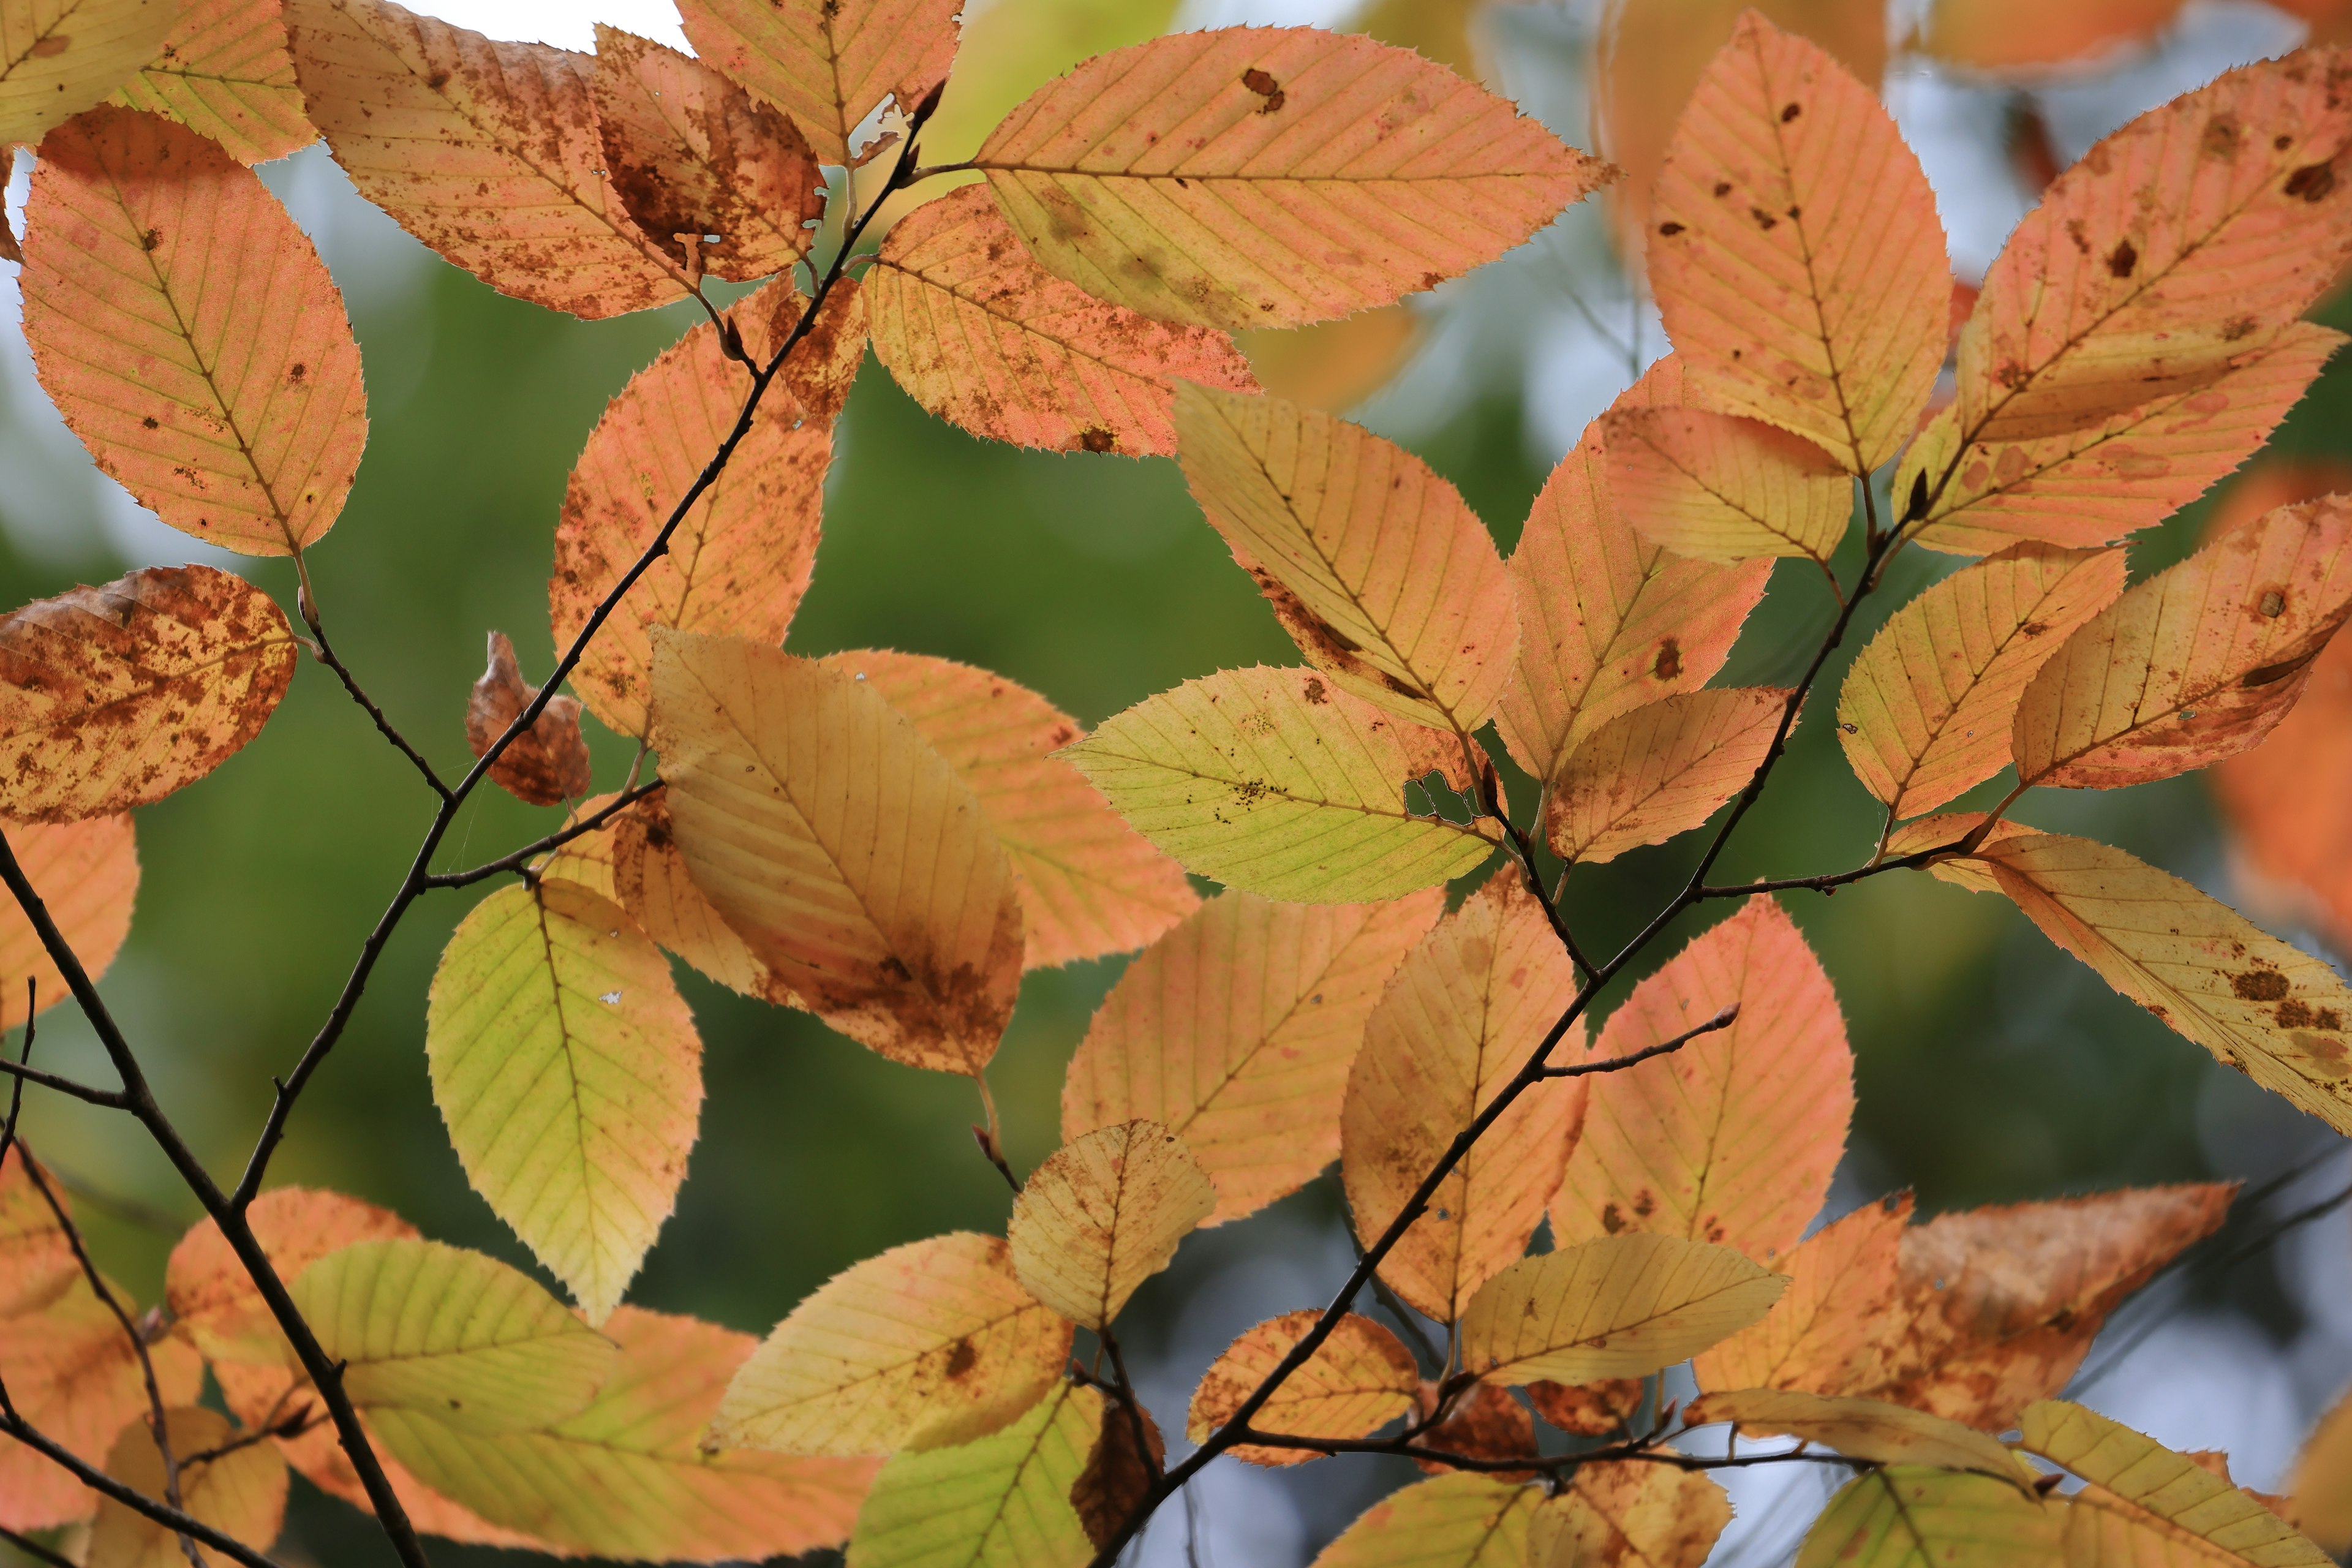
{"type": "Point", "coordinates": [1723, 1020]}
{"type": "Point", "coordinates": [523, 856]}
{"type": "Point", "coordinates": [186, 1526]}
{"type": "Point", "coordinates": [324, 651]}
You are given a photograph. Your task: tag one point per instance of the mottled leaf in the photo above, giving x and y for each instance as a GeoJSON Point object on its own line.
{"type": "Point", "coordinates": [1104, 1214]}
{"type": "Point", "coordinates": [1357, 1382]}
{"type": "Point", "coordinates": [1452, 1521]}
{"type": "Point", "coordinates": [1821, 1336]}
{"type": "Point", "coordinates": [242, 1493]}
{"type": "Point", "coordinates": [633, 861]}
{"type": "Point", "coordinates": [1718, 486]}
{"type": "Point", "coordinates": [828, 63]}
{"type": "Point", "coordinates": [1481, 1422]}
{"type": "Point", "coordinates": [1618, 1306]}
{"type": "Point", "coordinates": [1592, 1409]}
{"type": "Point", "coordinates": [1661, 770]}
{"type": "Point", "coordinates": [59, 57]}
{"type": "Point", "coordinates": [223, 72]}
{"type": "Point", "coordinates": [547, 763]}
{"type": "Point", "coordinates": [1000, 1503]}
{"type": "Point", "coordinates": [87, 874]}
{"type": "Point", "coordinates": [1907, 1517]}
{"type": "Point", "coordinates": [1627, 1515]}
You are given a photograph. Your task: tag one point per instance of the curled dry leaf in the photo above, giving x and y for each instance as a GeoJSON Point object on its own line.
{"type": "Point", "coordinates": [1104, 1214]}
{"type": "Point", "coordinates": [1609, 621]}
{"type": "Point", "coordinates": [223, 72]}
{"type": "Point", "coordinates": [1003, 1499]}
{"type": "Point", "coordinates": [146, 247]}
{"type": "Point", "coordinates": [828, 63]}
{"type": "Point", "coordinates": [1904, 1514]}
{"type": "Point", "coordinates": [1460, 1520]}
{"type": "Point", "coordinates": [1660, 770]}
{"type": "Point", "coordinates": [1485, 1423]}
{"type": "Point", "coordinates": [242, 1493]}
{"type": "Point", "coordinates": [1590, 1409]}
{"type": "Point", "coordinates": [1090, 884]}
{"type": "Point", "coordinates": [1276, 782]}
{"type": "Point", "coordinates": [87, 873]}
{"type": "Point", "coordinates": [214, 1301]}
{"type": "Point", "coordinates": [1466, 1010]}
{"type": "Point", "coordinates": [1357, 1381]}
{"type": "Point", "coordinates": [1734, 1137]}
{"type": "Point", "coordinates": [1619, 1306]}
{"type": "Point", "coordinates": [1794, 249]}
{"type": "Point", "coordinates": [1235, 1031]}
{"type": "Point", "coordinates": [59, 57]}
{"type": "Point", "coordinates": [926, 1346]}
{"type": "Point", "coordinates": [1821, 1336]}
{"type": "Point", "coordinates": [889, 908]}
{"type": "Point", "coordinates": [1232, 178]}
{"type": "Point", "coordinates": [1119, 1474]}
{"type": "Point", "coordinates": [511, 185]}
{"type": "Point", "coordinates": [547, 763]}
{"type": "Point", "coordinates": [1718, 486]}
{"type": "Point", "coordinates": [116, 695]}
{"type": "Point", "coordinates": [1868, 1429]}
{"type": "Point", "coordinates": [1375, 566]}
{"type": "Point", "coordinates": [978, 332]}
{"type": "Point", "coordinates": [721, 184]}
{"type": "Point", "coordinates": [1629, 1515]}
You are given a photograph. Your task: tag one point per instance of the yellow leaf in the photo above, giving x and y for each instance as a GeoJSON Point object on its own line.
{"type": "Point", "coordinates": [1868, 1429]}
{"type": "Point", "coordinates": [1357, 1382]}
{"type": "Point", "coordinates": [1717, 487]}
{"type": "Point", "coordinates": [1235, 1031]}
{"type": "Point", "coordinates": [223, 71]}
{"type": "Point", "coordinates": [116, 695]}
{"type": "Point", "coordinates": [1821, 1337]}
{"type": "Point", "coordinates": [1910, 1518]}
{"type": "Point", "coordinates": [1629, 1515]}
{"type": "Point", "coordinates": [2322, 1481]}
{"type": "Point", "coordinates": [242, 1493]}
{"type": "Point", "coordinates": [1951, 827]}
{"type": "Point", "coordinates": [633, 861]}
{"type": "Point", "coordinates": [841, 847]}
{"type": "Point", "coordinates": [929, 1344]}
{"type": "Point", "coordinates": [36, 1262]}
{"type": "Point", "coordinates": [1104, 1214]}
{"type": "Point", "coordinates": [1925, 713]}
{"type": "Point", "coordinates": [1621, 1306]}
{"type": "Point", "coordinates": [1454, 1521]}
{"type": "Point", "coordinates": [1000, 1503]}
{"type": "Point", "coordinates": [1271, 780]}
{"type": "Point", "coordinates": [1281, 201]}
{"type": "Point", "coordinates": [1466, 1011]}
{"type": "Point", "coordinates": [570, 1074]}
{"type": "Point", "coordinates": [828, 63]}
{"type": "Point", "coordinates": [454, 1335]}
{"type": "Point", "coordinates": [59, 57]}
{"type": "Point", "coordinates": [1660, 770]}
{"type": "Point", "coordinates": [87, 874]}
{"type": "Point", "coordinates": [1376, 568]}
{"type": "Point", "coordinates": [214, 1301]}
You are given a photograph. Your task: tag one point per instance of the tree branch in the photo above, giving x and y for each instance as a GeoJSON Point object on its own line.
{"type": "Point", "coordinates": [187, 1526]}
{"type": "Point", "coordinates": [1723, 1020]}
{"type": "Point", "coordinates": [324, 652]}
{"type": "Point", "coordinates": [1646, 1452]}
{"type": "Point", "coordinates": [557, 840]}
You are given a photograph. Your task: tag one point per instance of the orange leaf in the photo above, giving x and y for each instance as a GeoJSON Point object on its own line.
{"type": "Point", "coordinates": [1587, 1410]}
{"type": "Point", "coordinates": [2176, 250]}
{"type": "Point", "coordinates": [1609, 621]}
{"type": "Point", "coordinates": [691, 154]}
{"type": "Point", "coordinates": [486, 151]}
{"type": "Point", "coordinates": [1925, 711]}
{"type": "Point", "coordinates": [241, 1493]}
{"type": "Point", "coordinates": [1630, 1514]}
{"type": "Point", "coordinates": [1374, 566]}
{"type": "Point", "coordinates": [1732, 1139]}
{"type": "Point", "coordinates": [1103, 1214]}
{"type": "Point", "coordinates": [2093, 485]}
{"type": "Point", "coordinates": [978, 332]}
{"type": "Point", "coordinates": [2196, 663]}
{"type": "Point", "coordinates": [1235, 1030]}
{"type": "Point", "coordinates": [828, 63]}
{"type": "Point", "coordinates": [1951, 827]}
{"type": "Point", "coordinates": [223, 72]}
{"type": "Point", "coordinates": [1660, 771]}
{"type": "Point", "coordinates": [146, 247]}
{"type": "Point", "coordinates": [1721, 488]}
{"type": "Point", "coordinates": [825, 364]}
{"type": "Point", "coordinates": [1270, 176]}
{"type": "Point", "coordinates": [633, 861]}
{"type": "Point", "coordinates": [114, 697]}
{"type": "Point", "coordinates": [2005, 35]}
{"type": "Point", "coordinates": [1486, 1423]}
{"type": "Point", "coordinates": [87, 873]}
{"type": "Point", "coordinates": [548, 763]}
{"type": "Point", "coordinates": [1357, 1382]}
{"type": "Point", "coordinates": [738, 563]}
{"type": "Point", "coordinates": [1334, 366]}
{"type": "Point", "coordinates": [1091, 885]}
{"type": "Point", "coordinates": [37, 1260]}
{"type": "Point", "coordinates": [1795, 252]}
{"type": "Point", "coordinates": [215, 1303]}
{"type": "Point", "coordinates": [1821, 1336]}
{"type": "Point", "coordinates": [1464, 1013]}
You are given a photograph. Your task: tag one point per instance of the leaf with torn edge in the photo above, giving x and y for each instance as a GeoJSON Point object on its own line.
{"type": "Point", "coordinates": [828, 63]}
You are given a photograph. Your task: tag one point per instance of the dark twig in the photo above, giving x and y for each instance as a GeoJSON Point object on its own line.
{"type": "Point", "coordinates": [1723, 1020]}
{"type": "Point", "coordinates": [1523, 851]}
{"type": "Point", "coordinates": [1646, 1452]}
{"type": "Point", "coordinates": [1122, 1389]}
{"type": "Point", "coordinates": [109, 1099]}
{"type": "Point", "coordinates": [33, 1549]}
{"type": "Point", "coordinates": [24, 1066]}
{"type": "Point", "coordinates": [523, 856]}
{"type": "Point", "coordinates": [324, 652]}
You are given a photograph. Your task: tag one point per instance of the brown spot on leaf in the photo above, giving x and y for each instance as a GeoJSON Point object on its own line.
{"type": "Point", "coordinates": [1096, 439]}
{"type": "Point", "coordinates": [1668, 665]}
{"type": "Point", "coordinates": [150, 423]}
{"type": "Point", "coordinates": [2260, 985]}
{"type": "Point", "coordinates": [962, 1359]}
{"type": "Point", "coordinates": [2313, 182]}
{"type": "Point", "coordinates": [1723, 187]}
{"type": "Point", "coordinates": [1612, 1218]}
{"type": "Point", "coordinates": [1314, 692]}
{"type": "Point", "coordinates": [1791, 112]}
{"type": "Point", "coordinates": [1670, 229]}
{"type": "Point", "coordinates": [1263, 84]}
{"type": "Point", "coordinates": [51, 47]}
{"type": "Point", "coordinates": [1764, 220]}
{"type": "Point", "coordinates": [2274, 604]}
{"type": "Point", "coordinates": [2123, 258]}
{"type": "Point", "coordinates": [2295, 1014]}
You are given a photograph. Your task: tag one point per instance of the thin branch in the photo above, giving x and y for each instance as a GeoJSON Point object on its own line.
{"type": "Point", "coordinates": [23, 1066]}
{"type": "Point", "coordinates": [1122, 1389]}
{"type": "Point", "coordinates": [1522, 847]}
{"type": "Point", "coordinates": [1644, 1453]}
{"type": "Point", "coordinates": [187, 1526]}
{"type": "Point", "coordinates": [33, 1549]}
{"type": "Point", "coordinates": [323, 651]}
{"type": "Point", "coordinates": [523, 856]}
{"type": "Point", "coordinates": [1723, 1020]}
{"type": "Point", "coordinates": [109, 1099]}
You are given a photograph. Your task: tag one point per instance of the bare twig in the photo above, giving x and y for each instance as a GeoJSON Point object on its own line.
{"type": "Point", "coordinates": [1646, 1451]}
{"type": "Point", "coordinates": [523, 856]}
{"type": "Point", "coordinates": [324, 652]}
{"type": "Point", "coordinates": [1723, 1020]}
{"type": "Point", "coordinates": [33, 1549]}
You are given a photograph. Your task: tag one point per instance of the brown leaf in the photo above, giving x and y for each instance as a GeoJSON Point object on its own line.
{"type": "Point", "coordinates": [1588, 1409]}
{"type": "Point", "coordinates": [1486, 1423]}
{"type": "Point", "coordinates": [1117, 1477]}
{"type": "Point", "coordinates": [548, 763]}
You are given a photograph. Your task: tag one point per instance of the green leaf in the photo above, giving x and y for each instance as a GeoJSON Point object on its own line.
{"type": "Point", "coordinates": [1911, 1517]}
{"type": "Point", "coordinates": [1002, 1502]}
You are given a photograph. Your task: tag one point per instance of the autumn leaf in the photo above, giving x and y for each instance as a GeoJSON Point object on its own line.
{"type": "Point", "coordinates": [1454, 1521]}
{"type": "Point", "coordinates": [1629, 1515]}
{"type": "Point", "coordinates": [547, 763]}
{"type": "Point", "coordinates": [1275, 783]}
{"type": "Point", "coordinates": [37, 1260]}
{"type": "Point", "coordinates": [1717, 487]}
{"type": "Point", "coordinates": [720, 183]}
{"type": "Point", "coordinates": [223, 71]}
{"type": "Point", "coordinates": [2141, 1474]}
{"type": "Point", "coordinates": [1868, 1429]}
{"type": "Point", "coordinates": [1464, 1013]}
{"type": "Point", "coordinates": [215, 1304]}
{"type": "Point", "coordinates": [87, 874]}
{"type": "Point", "coordinates": [825, 363]}
{"type": "Point", "coordinates": [1795, 252]}
{"type": "Point", "coordinates": [1926, 712]}
{"type": "Point", "coordinates": [569, 1075]}
{"type": "Point", "coordinates": [1235, 1030]}
{"type": "Point", "coordinates": [1609, 621]}
{"type": "Point", "coordinates": [1903, 1515]}
{"type": "Point", "coordinates": [2321, 1484]}
{"type": "Point", "coordinates": [59, 57]}
{"type": "Point", "coordinates": [628, 1477]}
{"type": "Point", "coordinates": [828, 63]}
{"type": "Point", "coordinates": [1119, 1473]}
{"type": "Point", "coordinates": [1619, 1306]}
{"type": "Point", "coordinates": [242, 1493]}
{"type": "Point", "coordinates": [1090, 884]}
{"type": "Point", "coordinates": [844, 849]}
{"type": "Point", "coordinates": [1285, 199]}
{"type": "Point", "coordinates": [1104, 1214]}
{"type": "Point", "coordinates": [1821, 1336]}
{"type": "Point", "coordinates": [1357, 1381]}
{"type": "Point", "coordinates": [1482, 1422]}
{"type": "Point", "coordinates": [116, 695]}
{"type": "Point", "coordinates": [633, 861]}
{"type": "Point", "coordinates": [1661, 770]}
{"type": "Point", "coordinates": [2169, 257]}
{"type": "Point", "coordinates": [1000, 1503]}
{"type": "Point", "coordinates": [1593, 1409]}
{"type": "Point", "coordinates": [740, 558]}
{"type": "Point", "coordinates": [240, 427]}
{"type": "Point", "coordinates": [927, 1345]}
{"type": "Point", "coordinates": [1334, 366]}
{"type": "Point", "coordinates": [486, 151]}
{"type": "Point", "coordinates": [1732, 1138]}
{"type": "Point", "coordinates": [2006, 34]}
{"type": "Point", "coordinates": [454, 1335]}
{"type": "Point", "coordinates": [2096, 484]}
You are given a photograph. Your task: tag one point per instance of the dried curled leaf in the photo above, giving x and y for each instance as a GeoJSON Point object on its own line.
{"type": "Point", "coordinates": [1718, 486]}
{"type": "Point", "coordinates": [1660, 770]}
{"type": "Point", "coordinates": [547, 763]}
{"type": "Point", "coordinates": [1618, 1306]}
{"type": "Point", "coordinates": [1104, 1214]}
{"type": "Point", "coordinates": [1868, 1429]}
{"type": "Point", "coordinates": [215, 1302]}
{"type": "Point", "coordinates": [223, 72]}
{"type": "Point", "coordinates": [1119, 1473]}
{"type": "Point", "coordinates": [999, 1502]}
{"type": "Point", "coordinates": [87, 874]}
{"type": "Point", "coordinates": [1592, 1409]}
{"type": "Point", "coordinates": [1821, 1336]}
{"type": "Point", "coordinates": [828, 63]}
{"type": "Point", "coordinates": [241, 1493]}
{"type": "Point", "coordinates": [1454, 1521]}
{"type": "Point", "coordinates": [116, 695]}
{"type": "Point", "coordinates": [59, 57]}
{"type": "Point", "coordinates": [1233, 178]}
{"type": "Point", "coordinates": [1629, 1515]}
{"type": "Point", "coordinates": [1357, 1380]}
{"type": "Point", "coordinates": [1904, 1515]}
{"type": "Point", "coordinates": [1235, 1031]}
{"type": "Point", "coordinates": [511, 184]}
{"type": "Point", "coordinates": [146, 248]}
{"type": "Point", "coordinates": [927, 1345]}
{"type": "Point", "coordinates": [978, 333]}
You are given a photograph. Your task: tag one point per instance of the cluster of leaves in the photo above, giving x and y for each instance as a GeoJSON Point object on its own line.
{"type": "Point", "coordinates": [887, 840]}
